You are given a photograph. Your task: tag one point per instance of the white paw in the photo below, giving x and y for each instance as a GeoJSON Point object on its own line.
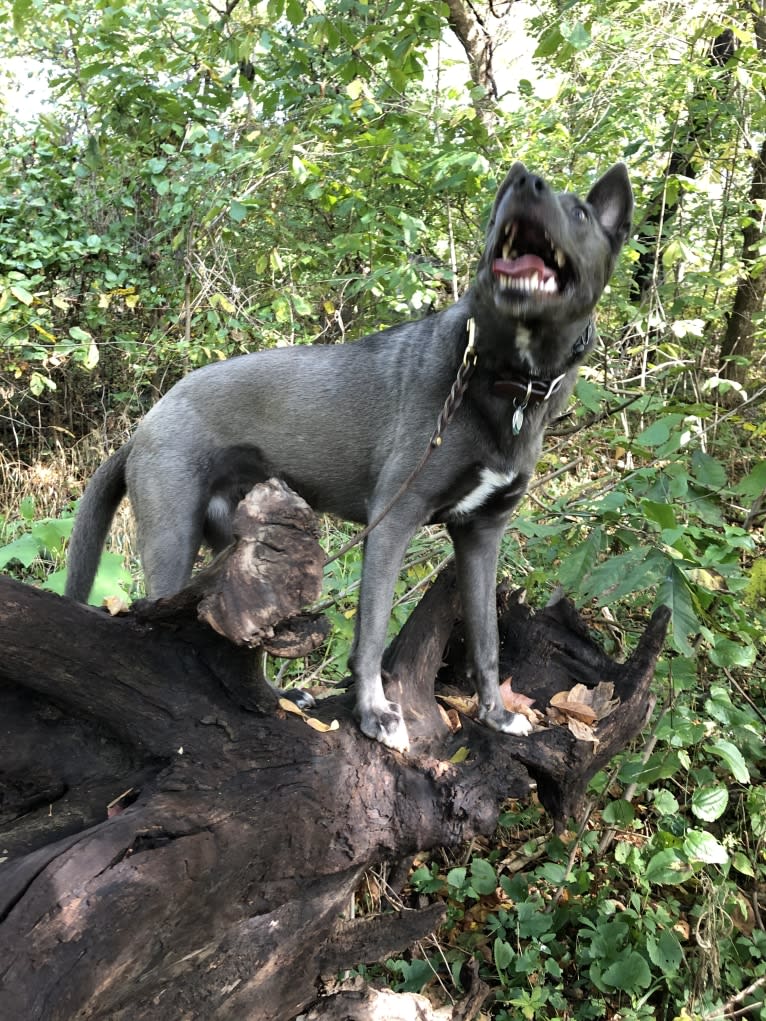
{"type": "Point", "coordinates": [386, 726]}
{"type": "Point", "coordinates": [508, 723]}
{"type": "Point", "coordinates": [517, 724]}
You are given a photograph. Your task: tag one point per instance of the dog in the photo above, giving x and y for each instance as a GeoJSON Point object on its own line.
{"type": "Point", "coordinates": [344, 425]}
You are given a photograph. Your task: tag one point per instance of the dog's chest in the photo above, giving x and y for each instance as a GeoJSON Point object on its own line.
{"type": "Point", "coordinates": [486, 489]}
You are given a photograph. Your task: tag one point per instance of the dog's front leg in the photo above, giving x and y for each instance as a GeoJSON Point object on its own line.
{"type": "Point", "coordinates": [383, 554]}
{"type": "Point", "coordinates": [477, 544]}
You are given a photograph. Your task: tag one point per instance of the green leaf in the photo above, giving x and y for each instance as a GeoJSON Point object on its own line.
{"type": "Point", "coordinates": [21, 294]}
{"type": "Point", "coordinates": [709, 803]}
{"type": "Point", "coordinates": [113, 580]}
{"type": "Point", "coordinates": [726, 653]}
{"type": "Point", "coordinates": [659, 432]}
{"type": "Point", "coordinates": [398, 163]}
{"type": "Point", "coordinates": [629, 973]}
{"type": "Point", "coordinates": [21, 13]}
{"type": "Point", "coordinates": [753, 484]}
{"type": "Point", "coordinates": [25, 550]}
{"type": "Point", "coordinates": [666, 952]}
{"type": "Point", "coordinates": [502, 953]}
{"type": "Point", "coordinates": [577, 36]}
{"type": "Point", "coordinates": [704, 847]}
{"type": "Point", "coordinates": [456, 877]}
{"type": "Point", "coordinates": [295, 11]}
{"type": "Point", "coordinates": [674, 593]}
{"type": "Point", "coordinates": [733, 758]}
{"type": "Point", "coordinates": [300, 173]}
{"type": "Point", "coordinates": [460, 755]}
{"type": "Point", "coordinates": [237, 211]}
{"type": "Point", "coordinates": [667, 868]}
{"type": "Point", "coordinates": [51, 533]}
{"type": "Point", "coordinates": [619, 813]}
{"type": "Point", "coordinates": [742, 864]}
{"type": "Point", "coordinates": [708, 471]}
{"type": "Point", "coordinates": [579, 561]}
{"type": "Point", "coordinates": [90, 361]}
{"type": "Point", "coordinates": [156, 165]}
{"type": "Point", "coordinates": [549, 43]}
{"type": "Point", "coordinates": [665, 803]}
{"type": "Point", "coordinates": [661, 513]}
{"type": "Point", "coordinates": [483, 877]}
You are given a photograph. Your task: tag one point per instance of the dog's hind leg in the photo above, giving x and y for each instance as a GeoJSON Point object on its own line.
{"type": "Point", "coordinates": [477, 543]}
{"type": "Point", "coordinates": [169, 524]}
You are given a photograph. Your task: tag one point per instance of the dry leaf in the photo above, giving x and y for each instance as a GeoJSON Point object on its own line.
{"type": "Point", "coordinates": [513, 701]}
{"type": "Point", "coordinates": [602, 699]}
{"type": "Point", "coordinates": [566, 702]}
{"type": "Point", "coordinates": [315, 724]}
{"type": "Point", "coordinates": [320, 725]}
{"type": "Point", "coordinates": [451, 718]}
{"type": "Point", "coordinates": [291, 707]}
{"type": "Point", "coordinates": [115, 605]}
{"type": "Point", "coordinates": [582, 731]}
{"type": "Point", "coordinates": [468, 705]}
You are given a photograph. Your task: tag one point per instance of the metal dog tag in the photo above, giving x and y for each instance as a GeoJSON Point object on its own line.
{"type": "Point", "coordinates": [518, 420]}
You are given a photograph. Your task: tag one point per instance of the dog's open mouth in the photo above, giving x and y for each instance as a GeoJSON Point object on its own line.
{"type": "Point", "coordinates": [528, 262]}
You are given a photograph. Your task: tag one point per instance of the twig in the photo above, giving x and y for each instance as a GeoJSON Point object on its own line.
{"type": "Point", "coordinates": [630, 790]}
{"type": "Point", "coordinates": [744, 694]}
{"type": "Point", "coordinates": [727, 1009]}
{"type": "Point", "coordinates": [572, 855]}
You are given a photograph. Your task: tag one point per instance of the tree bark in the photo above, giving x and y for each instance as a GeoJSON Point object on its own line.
{"type": "Point", "coordinates": [180, 846]}
{"type": "Point", "coordinates": [688, 146]}
{"type": "Point", "coordinates": [738, 342]}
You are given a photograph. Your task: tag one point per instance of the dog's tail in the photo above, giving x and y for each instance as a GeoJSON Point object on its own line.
{"type": "Point", "coordinates": [97, 508]}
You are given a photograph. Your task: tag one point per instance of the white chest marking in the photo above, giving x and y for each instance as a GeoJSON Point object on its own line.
{"type": "Point", "coordinates": [489, 482]}
{"type": "Point", "coordinates": [523, 341]}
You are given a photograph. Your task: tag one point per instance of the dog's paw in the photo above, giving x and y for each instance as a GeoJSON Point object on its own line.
{"type": "Point", "coordinates": [387, 726]}
{"type": "Point", "coordinates": [508, 723]}
{"type": "Point", "coordinates": [303, 699]}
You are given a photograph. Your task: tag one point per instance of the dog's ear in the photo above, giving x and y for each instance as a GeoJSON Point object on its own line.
{"type": "Point", "coordinates": [612, 199]}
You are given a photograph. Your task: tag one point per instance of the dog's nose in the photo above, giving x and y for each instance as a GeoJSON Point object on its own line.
{"type": "Point", "coordinates": [530, 184]}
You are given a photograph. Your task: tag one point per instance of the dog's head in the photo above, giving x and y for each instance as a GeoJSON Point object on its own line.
{"type": "Point", "coordinates": [549, 256]}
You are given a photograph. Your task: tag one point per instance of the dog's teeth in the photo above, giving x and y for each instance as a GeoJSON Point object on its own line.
{"type": "Point", "coordinates": [507, 250]}
{"type": "Point", "coordinates": [550, 285]}
{"type": "Point", "coordinates": [560, 258]}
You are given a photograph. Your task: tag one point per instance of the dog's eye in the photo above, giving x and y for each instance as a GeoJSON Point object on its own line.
{"type": "Point", "coordinates": [579, 214]}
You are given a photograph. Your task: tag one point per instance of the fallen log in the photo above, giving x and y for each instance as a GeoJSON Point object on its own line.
{"type": "Point", "coordinates": [176, 844]}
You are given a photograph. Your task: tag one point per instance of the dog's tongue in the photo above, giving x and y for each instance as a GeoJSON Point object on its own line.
{"type": "Point", "coordinates": [524, 266]}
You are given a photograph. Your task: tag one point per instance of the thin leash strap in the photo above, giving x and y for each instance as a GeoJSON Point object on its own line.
{"type": "Point", "coordinates": [447, 413]}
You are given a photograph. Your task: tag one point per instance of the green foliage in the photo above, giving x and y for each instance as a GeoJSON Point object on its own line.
{"type": "Point", "coordinates": [35, 548]}
{"type": "Point", "coordinates": [206, 183]}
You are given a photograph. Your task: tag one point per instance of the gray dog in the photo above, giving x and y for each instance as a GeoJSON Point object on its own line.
{"type": "Point", "coordinates": [344, 426]}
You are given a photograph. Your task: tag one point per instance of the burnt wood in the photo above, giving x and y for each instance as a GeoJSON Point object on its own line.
{"type": "Point", "coordinates": [216, 884]}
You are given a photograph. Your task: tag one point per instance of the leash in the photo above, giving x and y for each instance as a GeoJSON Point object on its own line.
{"type": "Point", "coordinates": [447, 413]}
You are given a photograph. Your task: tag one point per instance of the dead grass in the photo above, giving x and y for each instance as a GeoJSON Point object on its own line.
{"type": "Point", "coordinates": [55, 478]}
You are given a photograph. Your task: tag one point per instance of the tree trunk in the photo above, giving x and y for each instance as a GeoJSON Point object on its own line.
{"type": "Point", "coordinates": [738, 342]}
{"type": "Point", "coordinates": [180, 846]}
{"type": "Point", "coordinates": [689, 145]}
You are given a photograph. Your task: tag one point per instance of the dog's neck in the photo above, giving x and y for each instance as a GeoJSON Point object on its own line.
{"type": "Point", "coordinates": [533, 388]}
